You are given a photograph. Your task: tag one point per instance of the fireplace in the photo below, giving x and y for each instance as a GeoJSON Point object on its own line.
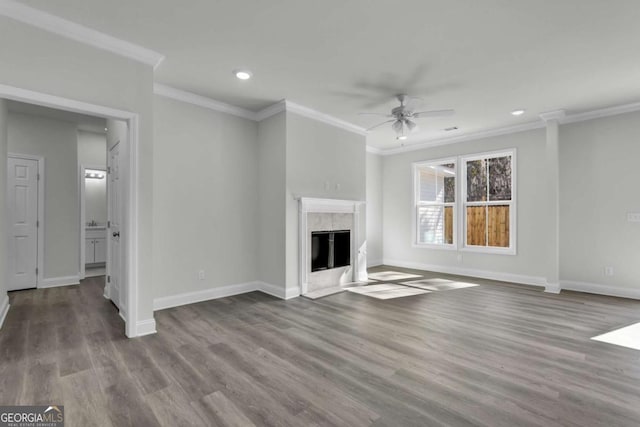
{"type": "Point", "coordinates": [330, 249]}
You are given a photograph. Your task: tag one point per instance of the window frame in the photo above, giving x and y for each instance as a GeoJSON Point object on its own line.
{"type": "Point", "coordinates": [512, 248]}
{"type": "Point", "coordinates": [417, 204]}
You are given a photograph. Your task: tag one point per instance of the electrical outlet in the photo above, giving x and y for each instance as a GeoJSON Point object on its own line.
{"type": "Point", "coordinates": [201, 275]}
{"type": "Point", "coordinates": [338, 187]}
{"type": "Point", "coordinates": [460, 258]}
{"type": "Point", "coordinates": [608, 271]}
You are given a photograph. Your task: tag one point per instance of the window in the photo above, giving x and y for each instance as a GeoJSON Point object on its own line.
{"type": "Point", "coordinates": [485, 199]}
{"type": "Point", "coordinates": [435, 203]}
{"type": "Point", "coordinates": [488, 202]}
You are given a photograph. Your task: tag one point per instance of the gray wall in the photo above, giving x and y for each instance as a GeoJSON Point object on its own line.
{"type": "Point", "coordinates": [80, 72]}
{"type": "Point", "coordinates": [92, 148]}
{"type": "Point", "coordinates": [599, 177]}
{"type": "Point", "coordinates": [272, 139]}
{"type": "Point", "coordinates": [205, 201]}
{"type": "Point", "coordinates": [374, 210]}
{"type": "Point", "coordinates": [3, 220]}
{"type": "Point", "coordinates": [320, 158]}
{"type": "Point", "coordinates": [397, 190]}
{"type": "Point", "coordinates": [56, 142]}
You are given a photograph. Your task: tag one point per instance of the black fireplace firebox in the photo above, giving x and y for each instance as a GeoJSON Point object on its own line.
{"type": "Point", "coordinates": [330, 249]}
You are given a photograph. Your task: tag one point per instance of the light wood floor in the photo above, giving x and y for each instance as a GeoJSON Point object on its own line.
{"type": "Point", "coordinates": [492, 355]}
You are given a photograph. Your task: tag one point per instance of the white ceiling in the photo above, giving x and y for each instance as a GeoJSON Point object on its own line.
{"type": "Point", "coordinates": [482, 58]}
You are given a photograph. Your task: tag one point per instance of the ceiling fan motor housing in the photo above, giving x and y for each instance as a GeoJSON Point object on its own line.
{"type": "Point", "coordinates": [401, 112]}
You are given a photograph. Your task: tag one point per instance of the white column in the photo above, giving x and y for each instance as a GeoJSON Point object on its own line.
{"type": "Point", "coordinates": [552, 171]}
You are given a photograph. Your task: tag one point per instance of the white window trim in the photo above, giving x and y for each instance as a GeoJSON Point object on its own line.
{"type": "Point", "coordinates": [513, 210]}
{"type": "Point", "coordinates": [459, 211]}
{"type": "Point", "coordinates": [415, 204]}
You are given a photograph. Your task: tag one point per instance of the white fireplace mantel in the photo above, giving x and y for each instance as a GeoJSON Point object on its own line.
{"type": "Point", "coordinates": [310, 204]}
{"type": "Point", "coordinates": [315, 205]}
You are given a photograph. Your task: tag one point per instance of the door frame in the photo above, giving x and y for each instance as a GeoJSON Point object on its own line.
{"type": "Point", "coordinates": [83, 214]}
{"type": "Point", "coordinates": [131, 213]}
{"type": "Point", "coordinates": [41, 225]}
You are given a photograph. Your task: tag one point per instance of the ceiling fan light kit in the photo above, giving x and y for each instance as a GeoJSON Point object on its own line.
{"type": "Point", "coordinates": [402, 117]}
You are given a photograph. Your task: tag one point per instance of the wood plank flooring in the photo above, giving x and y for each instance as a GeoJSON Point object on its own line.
{"type": "Point", "coordinates": [491, 355]}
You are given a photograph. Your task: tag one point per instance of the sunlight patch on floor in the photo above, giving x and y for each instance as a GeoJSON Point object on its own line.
{"type": "Point", "coordinates": [629, 337]}
{"type": "Point", "coordinates": [386, 291]}
{"type": "Point", "coordinates": [392, 275]}
{"type": "Point", "coordinates": [439, 284]}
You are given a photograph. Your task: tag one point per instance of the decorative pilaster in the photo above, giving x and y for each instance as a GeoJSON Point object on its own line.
{"type": "Point", "coordinates": [552, 172]}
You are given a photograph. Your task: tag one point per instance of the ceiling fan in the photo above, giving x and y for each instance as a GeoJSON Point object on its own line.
{"type": "Point", "coordinates": [402, 117]}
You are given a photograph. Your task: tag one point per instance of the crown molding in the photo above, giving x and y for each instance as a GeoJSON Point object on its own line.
{"type": "Point", "coordinates": [201, 101]}
{"type": "Point", "coordinates": [322, 117]}
{"type": "Point", "coordinates": [271, 110]}
{"type": "Point", "coordinates": [62, 27]}
{"type": "Point", "coordinates": [463, 138]}
{"type": "Point", "coordinates": [374, 150]}
{"type": "Point", "coordinates": [280, 106]}
{"type": "Point", "coordinates": [557, 115]}
{"type": "Point", "coordinates": [602, 112]}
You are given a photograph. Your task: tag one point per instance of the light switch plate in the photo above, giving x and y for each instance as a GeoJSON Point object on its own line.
{"type": "Point", "coordinates": [633, 217]}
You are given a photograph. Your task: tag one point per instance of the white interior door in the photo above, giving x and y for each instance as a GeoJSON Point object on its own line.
{"type": "Point", "coordinates": [114, 202]}
{"type": "Point", "coordinates": [22, 203]}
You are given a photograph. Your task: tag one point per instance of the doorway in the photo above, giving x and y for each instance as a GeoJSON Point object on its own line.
{"type": "Point", "coordinates": [128, 244]}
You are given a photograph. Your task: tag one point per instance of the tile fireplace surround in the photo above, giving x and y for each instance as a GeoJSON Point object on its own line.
{"type": "Point", "coordinates": [329, 215]}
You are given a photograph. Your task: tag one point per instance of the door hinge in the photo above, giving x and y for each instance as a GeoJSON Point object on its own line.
{"type": "Point", "coordinates": [108, 224]}
{"type": "Point", "coordinates": [36, 271]}
{"type": "Point", "coordinates": [108, 169]}
{"type": "Point", "coordinates": [38, 177]}
{"type": "Point", "coordinates": [37, 223]}
{"type": "Point", "coordinates": [108, 279]}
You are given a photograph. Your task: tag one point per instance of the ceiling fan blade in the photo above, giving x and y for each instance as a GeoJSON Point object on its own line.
{"type": "Point", "coordinates": [380, 124]}
{"type": "Point", "coordinates": [434, 113]}
{"type": "Point", "coordinates": [375, 114]}
{"type": "Point", "coordinates": [410, 125]}
{"type": "Point", "coordinates": [397, 126]}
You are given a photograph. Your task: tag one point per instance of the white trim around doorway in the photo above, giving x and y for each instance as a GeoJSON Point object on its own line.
{"type": "Point", "coordinates": [134, 327]}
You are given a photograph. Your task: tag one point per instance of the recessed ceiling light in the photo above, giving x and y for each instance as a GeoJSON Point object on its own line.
{"type": "Point", "coordinates": [517, 112]}
{"type": "Point", "coordinates": [242, 74]}
{"type": "Point", "coordinates": [401, 137]}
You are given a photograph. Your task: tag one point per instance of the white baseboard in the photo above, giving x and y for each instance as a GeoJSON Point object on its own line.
{"type": "Point", "coordinates": [555, 288]}
{"type": "Point", "coordinates": [54, 282]}
{"type": "Point", "coordinates": [552, 288]}
{"type": "Point", "coordinates": [374, 263]}
{"type": "Point", "coordinates": [471, 272]}
{"type": "Point", "coordinates": [145, 327]}
{"type": "Point", "coordinates": [594, 288]}
{"type": "Point", "coordinates": [4, 309]}
{"type": "Point", "coordinates": [273, 290]}
{"type": "Point", "coordinates": [278, 291]}
{"type": "Point", "coordinates": [204, 295]}
{"type": "Point", "coordinates": [222, 292]}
